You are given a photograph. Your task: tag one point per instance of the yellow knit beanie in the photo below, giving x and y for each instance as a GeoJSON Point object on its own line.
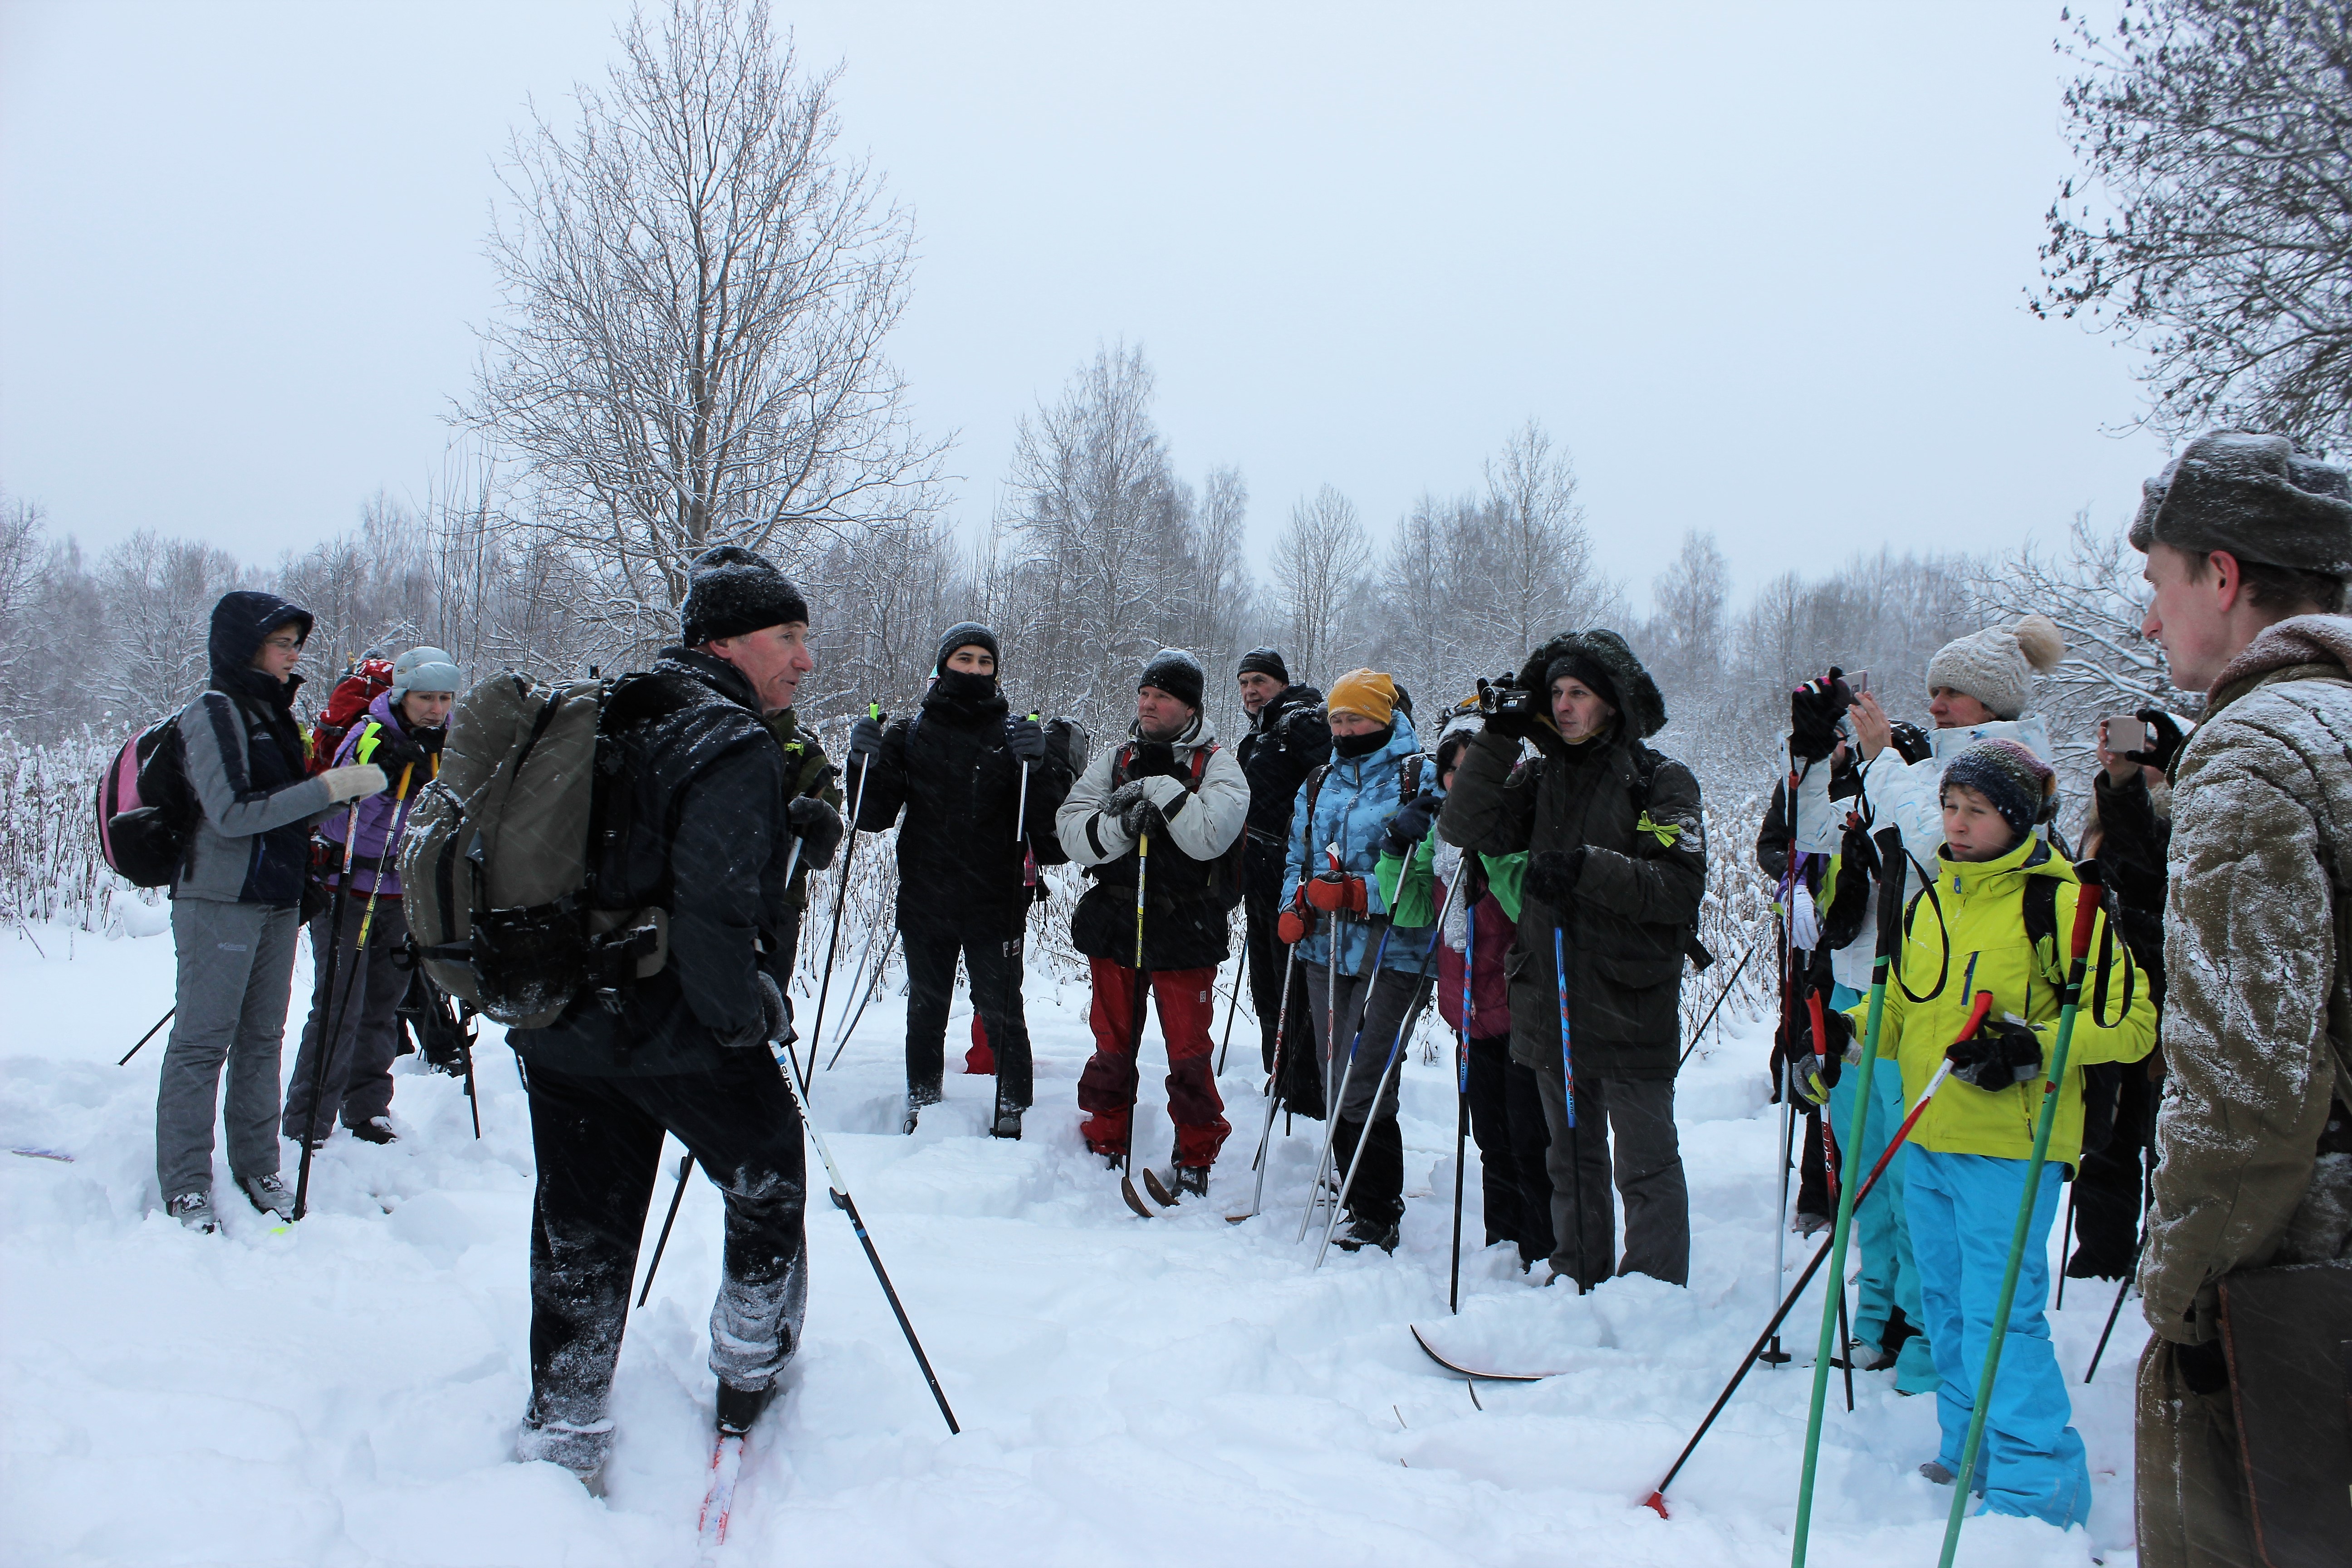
{"type": "Point", "coordinates": [1365, 691]}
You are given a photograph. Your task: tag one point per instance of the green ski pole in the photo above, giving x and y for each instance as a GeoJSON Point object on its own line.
{"type": "Point", "coordinates": [2086, 909]}
{"type": "Point", "coordinates": [1891, 862]}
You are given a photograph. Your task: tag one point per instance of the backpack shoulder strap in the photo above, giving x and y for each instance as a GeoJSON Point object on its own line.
{"type": "Point", "coordinates": [2041, 913]}
{"type": "Point", "coordinates": [1409, 778]}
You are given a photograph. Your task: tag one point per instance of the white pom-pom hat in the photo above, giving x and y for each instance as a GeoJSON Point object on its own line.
{"type": "Point", "coordinates": [1996, 666]}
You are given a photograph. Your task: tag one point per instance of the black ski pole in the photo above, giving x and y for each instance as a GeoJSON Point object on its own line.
{"type": "Point", "coordinates": [1241, 971]}
{"type": "Point", "coordinates": [2065, 1245]}
{"type": "Point", "coordinates": [1845, 1336]}
{"type": "Point", "coordinates": [1700, 1033]}
{"type": "Point", "coordinates": [841, 896]}
{"type": "Point", "coordinates": [340, 894]}
{"type": "Point", "coordinates": [147, 1035]}
{"type": "Point", "coordinates": [685, 1166]}
{"type": "Point", "coordinates": [2148, 1204]}
{"type": "Point", "coordinates": [848, 1205]}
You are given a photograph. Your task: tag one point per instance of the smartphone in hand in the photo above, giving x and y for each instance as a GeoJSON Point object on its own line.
{"type": "Point", "coordinates": [1858, 682]}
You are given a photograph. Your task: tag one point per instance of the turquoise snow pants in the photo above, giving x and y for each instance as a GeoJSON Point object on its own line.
{"type": "Point", "coordinates": [1963, 1210]}
{"type": "Point", "coordinates": [1889, 1276]}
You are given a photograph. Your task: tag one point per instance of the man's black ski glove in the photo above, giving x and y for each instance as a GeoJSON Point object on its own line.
{"type": "Point", "coordinates": [1025, 739]}
{"type": "Point", "coordinates": [1553, 874]}
{"type": "Point", "coordinates": [2164, 739]}
{"type": "Point", "coordinates": [1411, 823]}
{"type": "Point", "coordinates": [1815, 1076]}
{"type": "Point", "coordinates": [775, 1025]}
{"type": "Point", "coordinates": [1814, 709]}
{"type": "Point", "coordinates": [819, 827]}
{"type": "Point", "coordinates": [1999, 1054]}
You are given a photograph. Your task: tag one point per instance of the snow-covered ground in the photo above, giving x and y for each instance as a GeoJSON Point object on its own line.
{"type": "Point", "coordinates": [1178, 1391]}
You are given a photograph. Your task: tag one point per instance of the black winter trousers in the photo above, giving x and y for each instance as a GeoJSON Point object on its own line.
{"type": "Point", "coordinates": [1507, 1120]}
{"type": "Point", "coordinates": [598, 1143]}
{"type": "Point", "coordinates": [1301, 1089]}
{"type": "Point", "coordinates": [993, 967]}
{"type": "Point", "coordinates": [2107, 1186]}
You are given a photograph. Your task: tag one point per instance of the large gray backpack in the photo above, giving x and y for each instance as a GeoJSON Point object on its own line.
{"type": "Point", "coordinates": [495, 862]}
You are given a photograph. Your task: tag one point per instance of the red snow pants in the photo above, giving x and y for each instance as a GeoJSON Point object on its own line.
{"type": "Point", "coordinates": [1108, 1087]}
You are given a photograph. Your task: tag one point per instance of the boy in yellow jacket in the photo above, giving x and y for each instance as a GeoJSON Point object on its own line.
{"type": "Point", "coordinates": [1989, 927]}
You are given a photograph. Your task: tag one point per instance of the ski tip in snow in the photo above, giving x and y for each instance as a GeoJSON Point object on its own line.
{"type": "Point", "coordinates": [44, 1154]}
{"type": "Point", "coordinates": [1158, 1189]}
{"type": "Point", "coordinates": [1134, 1199]}
{"type": "Point", "coordinates": [1458, 1370]}
{"type": "Point", "coordinates": [718, 1501]}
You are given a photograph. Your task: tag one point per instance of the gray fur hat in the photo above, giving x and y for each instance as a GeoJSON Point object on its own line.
{"type": "Point", "coordinates": [2255, 497]}
{"type": "Point", "coordinates": [1996, 666]}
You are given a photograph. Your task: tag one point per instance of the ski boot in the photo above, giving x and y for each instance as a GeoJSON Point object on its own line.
{"type": "Point", "coordinates": [1192, 1180]}
{"type": "Point", "coordinates": [578, 1448]}
{"type": "Point", "coordinates": [269, 1196]}
{"type": "Point", "coordinates": [376, 1129]}
{"type": "Point", "coordinates": [194, 1210]}
{"type": "Point", "coordinates": [740, 1407]}
{"type": "Point", "coordinates": [916, 1100]}
{"type": "Point", "coordinates": [1364, 1232]}
{"type": "Point", "coordinates": [1007, 1123]}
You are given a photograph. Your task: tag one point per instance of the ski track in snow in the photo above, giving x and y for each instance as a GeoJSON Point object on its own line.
{"type": "Point", "coordinates": [1175, 1390]}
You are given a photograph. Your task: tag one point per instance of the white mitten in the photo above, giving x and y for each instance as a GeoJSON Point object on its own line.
{"type": "Point", "coordinates": [359, 780]}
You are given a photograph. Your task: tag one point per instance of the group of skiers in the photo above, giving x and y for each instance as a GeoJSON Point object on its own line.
{"type": "Point", "coordinates": [1542, 870]}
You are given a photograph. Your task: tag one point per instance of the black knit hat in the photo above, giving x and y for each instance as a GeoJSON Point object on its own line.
{"type": "Point", "coordinates": [732, 590]}
{"type": "Point", "coordinates": [966, 634]}
{"type": "Point", "coordinates": [1264, 662]}
{"type": "Point", "coordinates": [1177, 673]}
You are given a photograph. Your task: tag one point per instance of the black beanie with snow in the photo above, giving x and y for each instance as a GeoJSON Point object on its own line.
{"type": "Point", "coordinates": [730, 591]}
{"type": "Point", "coordinates": [1177, 673]}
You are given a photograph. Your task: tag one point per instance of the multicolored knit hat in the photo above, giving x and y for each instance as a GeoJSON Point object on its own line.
{"type": "Point", "coordinates": [2019, 785]}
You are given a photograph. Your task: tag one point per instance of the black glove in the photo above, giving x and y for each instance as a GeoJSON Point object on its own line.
{"type": "Point", "coordinates": [865, 738]}
{"type": "Point", "coordinates": [1411, 824]}
{"type": "Point", "coordinates": [1814, 709]}
{"type": "Point", "coordinates": [2001, 1054]}
{"type": "Point", "coordinates": [775, 1025]}
{"type": "Point", "coordinates": [1129, 807]}
{"type": "Point", "coordinates": [1553, 874]}
{"type": "Point", "coordinates": [819, 827]}
{"type": "Point", "coordinates": [1509, 707]}
{"type": "Point", "coordinates": [1813, 1076]}
{"type": "Point", "coordinates": [2163, 740]}
{"type": "Point", "coordinates": [1025, 739]}
{"type": "Point", "coordinates": [1151, 760]}
{"type": "Point", "coordinates": [393, 750]}
{"type": "Point", "coordinates": [1910, 742]}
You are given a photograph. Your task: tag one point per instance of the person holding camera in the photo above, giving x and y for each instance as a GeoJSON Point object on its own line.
{"type": "Point", "coordinates": [1616, 870]}
{"type": "Point", "coordinates": [967, 874]}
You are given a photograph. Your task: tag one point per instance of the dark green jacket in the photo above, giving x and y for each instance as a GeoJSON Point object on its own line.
{"type": "Point", "coordinates": [804, 760]}
{"type": "Point", "coordinates": [1638, 894]}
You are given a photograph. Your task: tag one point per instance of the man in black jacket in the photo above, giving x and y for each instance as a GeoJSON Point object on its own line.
{"type": "Point", "coordinates": [1617, 866]}
{"type": "Point", "coordinates": [1289, 738]}
{"type": "Point", "coordinates": [686, 1051]}
{"type": "Point", "coordinates": [967, 866]}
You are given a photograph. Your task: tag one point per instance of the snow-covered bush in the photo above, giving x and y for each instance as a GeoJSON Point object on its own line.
{"type": "Point", "coordinates": [50, 870]}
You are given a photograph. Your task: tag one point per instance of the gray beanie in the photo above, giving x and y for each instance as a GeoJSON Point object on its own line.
{"type": "Point", "coordinates": [2255, 497]}
{"type": "Point", "coordinates": [1996, 666]}
{"type": "Point", "coordinates": [424, 670]}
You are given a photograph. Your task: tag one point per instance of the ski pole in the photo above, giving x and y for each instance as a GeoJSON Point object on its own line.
{"type": "Point", "coordinates": [1135, 1039]}
{"type": "Point", "coordinates": [1396, 1049]}
{"type": "Point", "coordinates": [792, 864]}
{"type": "Point", "coordinates": [339, 892]}
{"type": "Point", "coordinates": [841, 894]}
{"type": "Point", "coordinates": [1232, 1009]}
{"type": "Point", "coordinates": [685, 1165]}
{"type": "Point", "coordinates": [2066, 1241]}
{"type": "Point", "coordinates": [1568, 1096]}
{"type": "Point", "coordinates": [1890, 917]}
{"type": "Point", "coordinates": [866, 994]}
{"type": "Point", "coordinates": [856, 980]}
{"type": "Point", "coordinates": [1657, 1499]}
{"type": "Point", "coordinates": [1700, 1033]}
{"type": "Point", "coordinates": [848, 1205]}
{"type": "Point", "coordinates": [2086, 910]}
{"type": "Point", "coordinates": [147, 1035]}
{"type": "Point", "coordinates": [1273, 1083]}
{"type": "Point", "coordinates": [1021, 810]}
{"type": "Point", "coordinates": [1347, 1071]}
{"type": "Point", "coordinates": [2148, 1167]}
{"type": "Point", "coordinates": [1462, 1101]}
{"type": "Point", "coordinates": [1820, 1062]}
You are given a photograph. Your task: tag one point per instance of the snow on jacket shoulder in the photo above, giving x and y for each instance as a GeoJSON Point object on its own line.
{"type": "Point", "coordinates": [1971, 937]}
{"type": "Point", "coordinates": [1351, 809]}
{"type": "Point", "coordinates": [2260, 863]}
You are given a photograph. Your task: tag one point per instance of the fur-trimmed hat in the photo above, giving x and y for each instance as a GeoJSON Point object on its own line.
{"type": "Point", "coordinates": [1177, 673]}
{"type": "Point", "coordinates": [2019, 785]}
{"type": "Point", "coordinates": [1996, 666]}
{"type": "Point", "coordinates": [732, 590]}
{"type": "Point", "coordinates": [1602, 659]}
{"type": "Point", "coordinates": [2255, 497]}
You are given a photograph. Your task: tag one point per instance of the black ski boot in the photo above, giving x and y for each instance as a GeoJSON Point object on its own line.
{"type": "Point", "coordinates": [740, 1407]}
{"type": "Point", "coordinates": [1008, 1120]}
{"type": "Point", "coordinates": [1364, 1232]}
{"type": "Point", "coordinates": [916, 1100]}
{"type": "Point", "coordinates": [1192, 1180]}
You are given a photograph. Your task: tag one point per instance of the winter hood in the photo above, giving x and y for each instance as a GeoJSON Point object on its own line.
{"type": "Point", "coordinates": [2295, 642]}
{"type": "Point", "coordinates": [240, 621]}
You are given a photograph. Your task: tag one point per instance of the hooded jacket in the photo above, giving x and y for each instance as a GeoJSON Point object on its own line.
{"type": "Point", "coordinates": [963, 847]}
{"type": "Point", "coordinates": [1351, 807]}
{"type": "Point", "coordinates": [1289, 738]}
{"type": "Point", "coordinates": [244, 757]}
{"type": "Point", "coordinates": [2258, 999]}
{"type": "Point", "coordinates": [1971, 937]}
{"type": "Point", "coordinates": [1186, 926]}
{"type": "Point", "coordinates": [708, 841]}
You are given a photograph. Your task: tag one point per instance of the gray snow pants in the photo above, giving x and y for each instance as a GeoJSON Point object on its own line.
{"type": "Point", "coordinates": [368, 986]}
{"type": "Point", "coordinates": [236, 974]}
{"type": "Point", "coordinates": [1638, 1114]}
{"type": "Point", "coordinates": [1378, 1193]}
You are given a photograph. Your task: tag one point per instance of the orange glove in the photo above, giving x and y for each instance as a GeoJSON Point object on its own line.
{"type": "Point", "coordinates": [1339, 894]}
{"type": "Point", "coordinates": [1294, 926]}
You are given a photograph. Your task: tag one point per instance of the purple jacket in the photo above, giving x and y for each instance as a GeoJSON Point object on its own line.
{"type": "Point", "coordinates": [376, 815]}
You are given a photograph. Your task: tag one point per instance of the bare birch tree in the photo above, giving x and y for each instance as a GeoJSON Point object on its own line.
{"type": "Point", "coordinates": [1320, 564]}
{"type": "Point", "coordinates": [698, 286]}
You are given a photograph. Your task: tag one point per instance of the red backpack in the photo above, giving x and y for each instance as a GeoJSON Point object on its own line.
{"type": "Point", "coordinates": [346, 706]}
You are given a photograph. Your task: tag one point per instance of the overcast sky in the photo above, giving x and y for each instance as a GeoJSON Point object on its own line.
{"type": "Point", "coordinates": [1762, 269]}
